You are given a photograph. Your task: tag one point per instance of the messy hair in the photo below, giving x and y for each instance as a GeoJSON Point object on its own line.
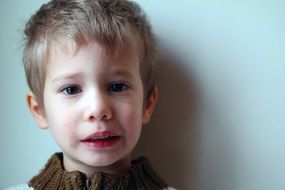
{"type": "Point", "coordinates": [111, 23]}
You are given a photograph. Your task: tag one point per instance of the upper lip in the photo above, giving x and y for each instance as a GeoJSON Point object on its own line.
{"type": "Point", "coordinates": [101, 135]}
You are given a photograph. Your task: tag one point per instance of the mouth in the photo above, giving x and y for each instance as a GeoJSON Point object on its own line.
{"type": "Point", "coordinates": [102, 139]}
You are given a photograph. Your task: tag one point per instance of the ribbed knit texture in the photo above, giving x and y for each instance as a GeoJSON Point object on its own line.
{"type": "Point", "coordinates": [139, 176]}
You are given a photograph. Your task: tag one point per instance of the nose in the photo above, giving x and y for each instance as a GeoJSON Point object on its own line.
{"type": "Point", "coordinates": [98, 108]}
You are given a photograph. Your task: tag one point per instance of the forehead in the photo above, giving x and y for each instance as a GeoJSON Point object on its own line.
{"type": "Point", "coordinates": [131, 45]}
{"type": "Point", "coordinates": [92, 55]}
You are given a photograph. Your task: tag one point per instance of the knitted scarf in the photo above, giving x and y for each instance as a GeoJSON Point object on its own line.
{"type": "Point", "coordinates": [53, 176]}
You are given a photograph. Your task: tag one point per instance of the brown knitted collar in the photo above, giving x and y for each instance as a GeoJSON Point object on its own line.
{"type": "Point", "coordinates": [53, 176]}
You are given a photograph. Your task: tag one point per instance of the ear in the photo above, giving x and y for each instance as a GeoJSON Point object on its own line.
{"type": "Point", "coordinates": [36, 111]}
{"type": "Point", "coordinates": [150, 104]}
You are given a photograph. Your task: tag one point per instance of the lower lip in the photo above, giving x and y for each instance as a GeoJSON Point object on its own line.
{"type": "Point", "coordinates": [104, 143]}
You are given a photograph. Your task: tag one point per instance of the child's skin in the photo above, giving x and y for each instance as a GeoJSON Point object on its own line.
{"type": "Point", "coordinates": [86, 95]}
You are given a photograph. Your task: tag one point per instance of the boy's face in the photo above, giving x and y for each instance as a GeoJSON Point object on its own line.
{"type": "Point", "coordinates": [93, 107]}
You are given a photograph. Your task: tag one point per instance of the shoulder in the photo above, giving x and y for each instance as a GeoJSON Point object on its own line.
{"type": "Point", "coordinates": [19, 187]}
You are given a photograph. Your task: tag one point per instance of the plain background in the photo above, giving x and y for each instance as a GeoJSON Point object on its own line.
{"type": "Point", "coordinates": [220, 120]}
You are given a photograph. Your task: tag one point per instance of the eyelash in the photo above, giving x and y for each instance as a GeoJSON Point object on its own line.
{"type": "Point", "coordinates": [118, 87]}
{"type": "Point", "coordinates": [71, 90]}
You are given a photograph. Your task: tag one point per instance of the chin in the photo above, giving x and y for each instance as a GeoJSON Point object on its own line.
{"type": "Point", "coordinates": [102, 160]}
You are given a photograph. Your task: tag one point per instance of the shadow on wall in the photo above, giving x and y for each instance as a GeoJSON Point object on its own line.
{"type": "Point", "coordinates": [171, 140]}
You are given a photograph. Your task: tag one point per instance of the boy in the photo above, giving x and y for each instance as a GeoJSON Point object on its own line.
{"type": "Point", "coordinates": [90, 65]}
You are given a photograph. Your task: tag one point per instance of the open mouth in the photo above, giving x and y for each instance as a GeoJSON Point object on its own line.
{"type": "Point", "coordinates": [98, 139]}
{"type": "Point", "coordinates": [101, 141]}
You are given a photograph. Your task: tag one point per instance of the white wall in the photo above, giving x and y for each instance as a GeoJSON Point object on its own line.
{"type": "Point", "coordinates": [219, 123]}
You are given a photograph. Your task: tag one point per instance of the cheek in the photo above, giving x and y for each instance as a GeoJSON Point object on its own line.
{"type": "Point", "coordinates": [60, 122]}
{"type": "Point", "coordinates": [130, 116]}
{"type": "Point", "coordinates": [63, 130]}
{"type": "Point", "coordinates": [57, 111]}
{"type": "Point", "coordinates": [57, 116]}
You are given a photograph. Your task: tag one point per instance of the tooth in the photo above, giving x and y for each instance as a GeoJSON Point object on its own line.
{"type": "Point", "coordinates": [99, 138]}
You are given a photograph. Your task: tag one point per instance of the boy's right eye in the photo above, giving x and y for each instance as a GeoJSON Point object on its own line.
{"type": "Point", "coordinates": [71, 90]}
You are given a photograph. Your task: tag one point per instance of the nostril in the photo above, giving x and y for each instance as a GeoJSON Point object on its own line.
{"type": "Point", "coordinates": [99, 116]}
{"type": "Point", "coordinates": [91, 117]}
{"type": "Point", "coordinates": [106, 116]}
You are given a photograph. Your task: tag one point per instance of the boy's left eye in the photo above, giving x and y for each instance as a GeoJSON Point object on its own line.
{"type": "Point", "coordinates": [118, 87]}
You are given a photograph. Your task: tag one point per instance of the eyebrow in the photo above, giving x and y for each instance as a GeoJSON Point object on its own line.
{"type": "Point", "coordinates": [122, 72]}
{"type": "Point", "coordinates": [67, 76]}
{"type": "Point", "coordinates": [78, 75]}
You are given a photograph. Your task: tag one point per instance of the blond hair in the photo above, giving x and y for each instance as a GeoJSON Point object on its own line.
{"type": "Point", "coordinates": [111, 23]}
